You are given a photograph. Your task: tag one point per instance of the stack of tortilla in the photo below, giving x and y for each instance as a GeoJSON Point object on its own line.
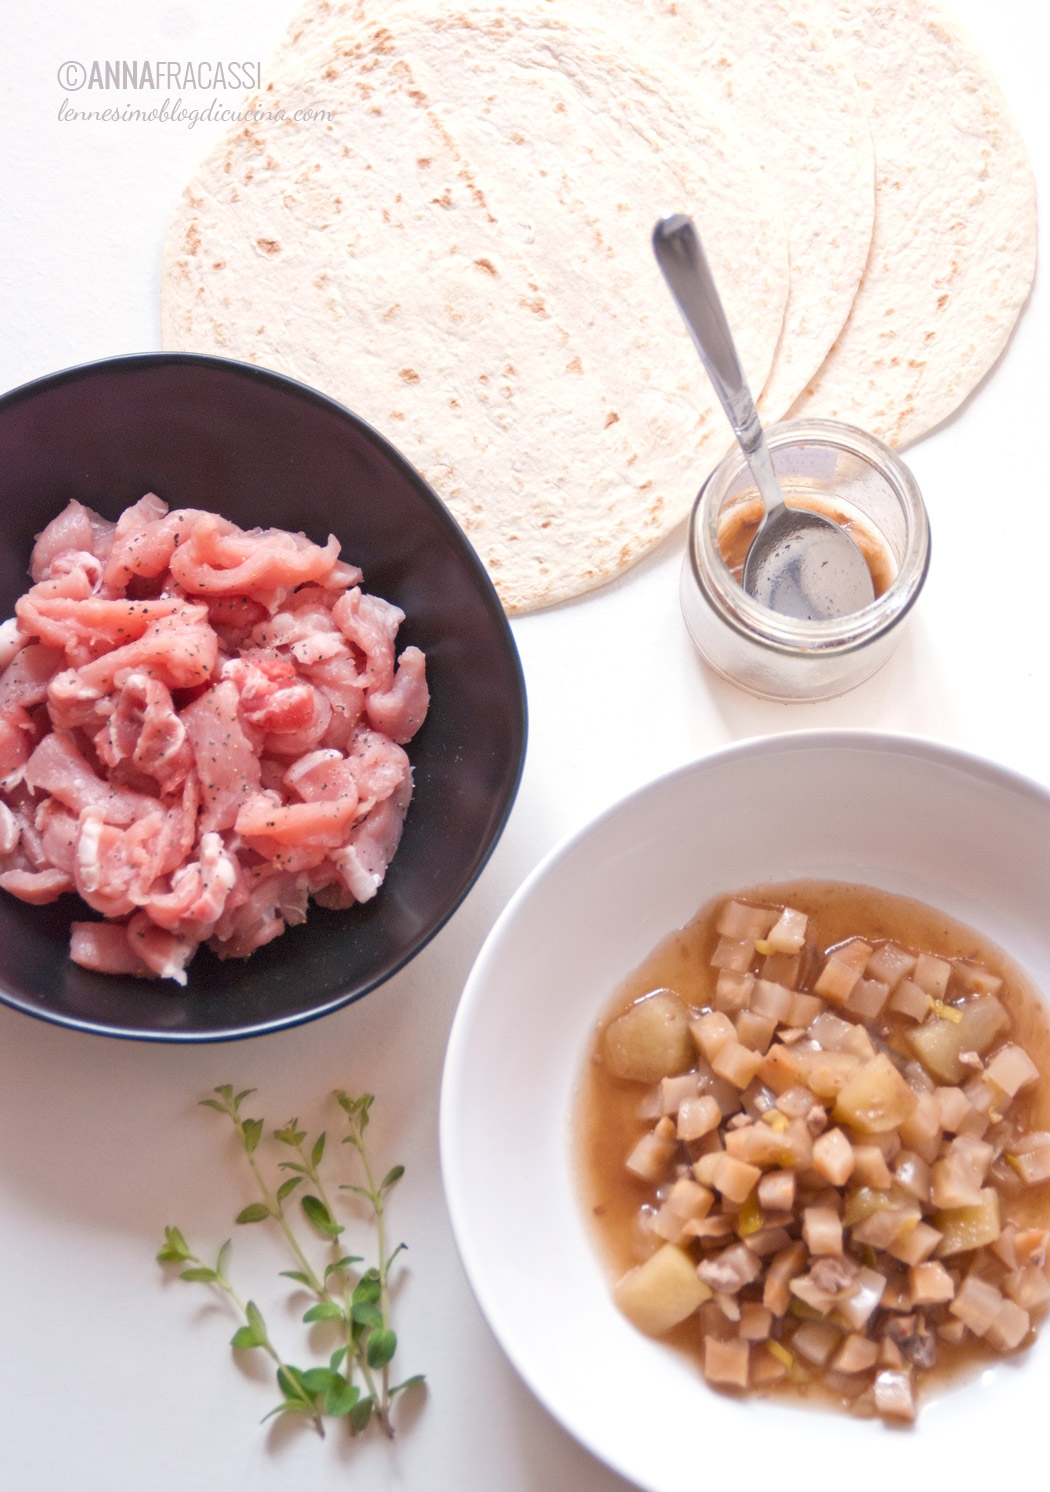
{"type": "Point", "coordinates": [443, 221]}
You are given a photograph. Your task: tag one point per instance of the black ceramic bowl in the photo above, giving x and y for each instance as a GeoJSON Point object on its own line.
{"type": "Point", "coordinates": [266, 451]}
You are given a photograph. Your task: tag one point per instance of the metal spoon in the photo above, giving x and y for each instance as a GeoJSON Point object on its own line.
{"type": "Point", "coordinates": [800, 563]}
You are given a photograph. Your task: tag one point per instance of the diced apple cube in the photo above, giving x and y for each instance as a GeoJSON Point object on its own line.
{"type": "Point", "coordinates": [939, 1043]}
{"type": "Point", "coordinates": [874, 1097]}
{"type": "Point", "coordinates": [968, 1227]}
{"type": "Point", "coordinates": [651, 1040]}
{"type": "Point", "coordinates": [664, 1290]}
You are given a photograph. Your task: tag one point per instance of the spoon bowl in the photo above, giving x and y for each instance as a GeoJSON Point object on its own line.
{"type": "Point", "coordinates": [800, 563]}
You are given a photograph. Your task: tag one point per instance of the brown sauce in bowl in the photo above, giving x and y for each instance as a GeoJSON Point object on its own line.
{"type": "Point", "coordinates": [613, 1113]}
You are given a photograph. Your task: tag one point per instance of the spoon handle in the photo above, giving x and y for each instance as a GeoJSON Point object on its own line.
{"type": "Point", "coordinates": [681, 258]}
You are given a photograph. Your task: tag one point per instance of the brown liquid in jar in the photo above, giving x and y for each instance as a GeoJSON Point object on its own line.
{"type": "Point", "coordinates": [607, 1123]}
{"type": "Point", "coordinates": [740, 517]}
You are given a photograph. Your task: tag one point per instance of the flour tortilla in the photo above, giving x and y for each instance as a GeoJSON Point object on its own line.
{"type": "Point", "coordinates": [462, 256]}
{"type": "Point", "coordinates": [776, 70]}
{"type": "Point", "coordinates": [953, 252]}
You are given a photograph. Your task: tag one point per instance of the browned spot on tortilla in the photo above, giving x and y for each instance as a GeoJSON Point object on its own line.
{"type": "Point", "coordinates": [445, 200]}
{"type": "Point", "coordinates": [487, 265]}
{"type": "Point", "coordinates": [942, 301]}
{"type": "Point", "coordinates": [612, 418]}
{"type": "Point", "coordinates": [453, 404]}
{"type": "Point", "coordinates": [193, 239]}
{"type": "Point", "coordinates": [418, 97]}
{"type": "Point", "coordinates": [559, 107]}
{"type": "Point", "coordinates": [391, 309]}
{"type": "Point", "coordinates": [535, 306]}
{"type": "Point", "coordinates": [574, 366]}
{"type": "Point", "coordinates": [408, 375]}
{"type": "Point", "coordinates": [268, 246]}
{"type": "Point", "coordinates": [510, 371]}
{"type": "Point", "coordinates": [423, 162]}
{"type": "Point", "coordinates": [218, 264]}
{"type": "Point", "coordinates": [396, 414]}
{"type": "Point", "coordinates": [517, 138]}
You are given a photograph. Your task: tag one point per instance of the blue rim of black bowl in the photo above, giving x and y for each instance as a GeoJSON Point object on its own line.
{"type": "Point", "coordinates": [297, 389]}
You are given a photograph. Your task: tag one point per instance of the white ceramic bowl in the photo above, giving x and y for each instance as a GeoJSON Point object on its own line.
{"type": "Point", "coordinates": [906, 815]}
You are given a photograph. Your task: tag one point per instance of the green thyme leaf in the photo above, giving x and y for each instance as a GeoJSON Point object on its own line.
{"type": "Point", "coordinates": [366, 1313]}
{"type": "Point", "coordinates": [382, 1344]}
{"type": "Point", "coordinates": [318, 1151]}
{"type": "Point", "coordinates": [341, 1397]}
{"type": "Point", "coordinates": [244, 1337]}
{"type": "Point", "coordinates": [361, 1413]}
{"type": "Point", "coordinates": [298, 1276]}
{"type": "Point", "coordinates": [321, 1218]}
{"type": "Point", "coordinates": [394, 1174]}
{"type": "Point", "coordinates": [200, 1273]}
{"type": "Point", "coordinates": [255, 1212]}
{"type": "Point", "coordinates": [252, 1131]}
{"type": "Point", "coordinates": [325, 1310]}
{"type": "Point", "coordinates": [416, 1381]}
{"type": "Point", "coordinates": [287, 1187]}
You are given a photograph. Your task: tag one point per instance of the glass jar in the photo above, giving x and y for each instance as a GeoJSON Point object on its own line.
{"type": "Point", "coordinates": [850, 476]}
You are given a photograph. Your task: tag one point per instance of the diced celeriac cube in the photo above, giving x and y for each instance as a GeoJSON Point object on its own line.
{"type": "Point", "coordinates": [929, 1283]}
{"type": "Point", "coordinates": [789, 933]}
{"type": "Point", "coordinates": [931, 974]}
{"type": "Point", "coordinates": [833, 1157]}
{"type": "Point", "coordinates": [739, 921]}
{"type": "Point", "coordinates": [822, 1230]}
{"type": "Point", "coordinates": [727, 1363]}
{"type": "Point", "coordinates": [1011, 1069]}
{"type": "Point", "coordinates": [698, 1117]}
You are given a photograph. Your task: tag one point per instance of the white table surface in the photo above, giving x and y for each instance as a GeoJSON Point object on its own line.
{"type": "Point", "coordinates": [110, 1377]}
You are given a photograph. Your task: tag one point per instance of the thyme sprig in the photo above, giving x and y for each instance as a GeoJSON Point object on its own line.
{"type": "Point", "coordinates": [355, 1381]}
